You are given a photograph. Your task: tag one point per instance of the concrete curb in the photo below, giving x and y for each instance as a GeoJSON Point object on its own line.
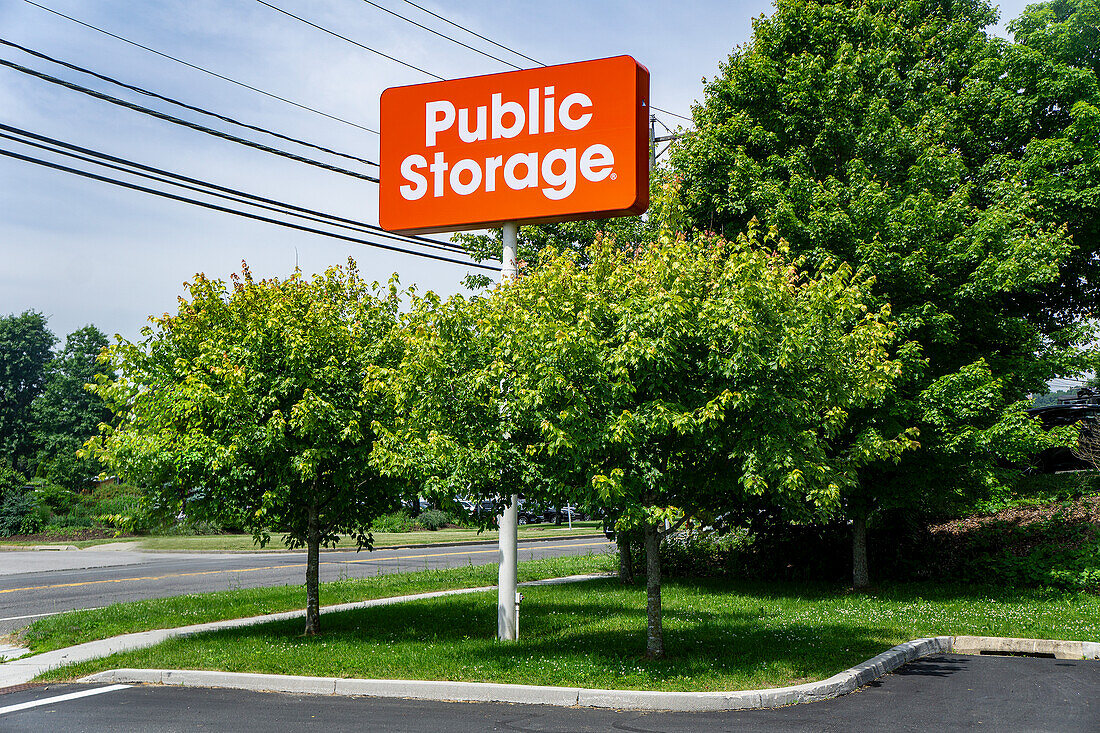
{"type": "Point", "coordinates": [839, 684]}
{"type": "Point", "coordinates": [1028, 647]}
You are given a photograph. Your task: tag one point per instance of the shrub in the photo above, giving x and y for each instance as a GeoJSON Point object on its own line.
{"type": "Point", "coordinates": [112, 489]}
{"type": "Point", "coordinates": [399, 521]}
{"type": "Point", "coordinates": [121, 504]}
{"type": "Point", "coordinates": [1057, 545]}
{"type": "Point", "coordinates": [33, 521]}
{"type": "Point", "coordinates": [696, 554]}
{"type": "Point", "coordinates": [432, 519]}
{"type": "Point", "coordinates": [1043, 488]}
{"type": "Point", "coordinates": [120, 507]}
{"type": "Point", "coordinates": [10, 481]}
{"type": "Point", "coordinates": [59, 499]}
{"type": "Point", "coordinates": [16, 507]}
{"type": "Point", "coordinates": [66, 469]}
{"type": "Point", "coordinates": [189, 526]}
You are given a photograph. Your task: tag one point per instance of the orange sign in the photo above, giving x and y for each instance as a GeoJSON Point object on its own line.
{"type": "Point", "coordinates": [533, 146]}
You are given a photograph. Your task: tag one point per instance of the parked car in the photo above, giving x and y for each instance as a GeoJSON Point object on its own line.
{"type": "Point", "coordinates": [1084, 408]}
{"type": "Point", "coordinates": [573, 513]}
{"type": "Point", "coordinates": [528, 514]}
{"type": "Point", "coordinates": [568, 514]}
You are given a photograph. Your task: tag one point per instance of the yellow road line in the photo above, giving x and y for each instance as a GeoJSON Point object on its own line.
{"type": "Point", "coordinates": [274, 567]}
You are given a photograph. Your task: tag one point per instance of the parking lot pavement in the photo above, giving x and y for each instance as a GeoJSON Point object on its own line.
{"type": "Point", "coordinates": [940, 693]}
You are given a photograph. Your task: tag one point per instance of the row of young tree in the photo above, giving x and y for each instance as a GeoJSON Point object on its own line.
{"type": "Point", "coordinates": [46, 414]}
{"type": "Point", "coordinates": [935, 190]}
{"type": "Point", "coordinates": [688, 375]}
{"type": "Point", "coordinates": [959, 170]}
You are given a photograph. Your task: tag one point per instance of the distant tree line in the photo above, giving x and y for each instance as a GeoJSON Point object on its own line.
{"type": "Point", "coordinates": [1051, 398]}
{"type": "Point", "coordinates": [46, 414]}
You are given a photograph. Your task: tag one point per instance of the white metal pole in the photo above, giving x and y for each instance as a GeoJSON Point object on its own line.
{"type": "Point", "coordinates": [508, 255]}
{"type": "Point", "coordinates": [507, 606]}
{"type": "Point", "coordinates": [652, 144]}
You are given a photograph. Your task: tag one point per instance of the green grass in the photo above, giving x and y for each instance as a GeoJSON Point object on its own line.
{"type": "Point", "coordinates": [77, 627]}
{"type": "Point", "coordinates": [720, 635]}
{"type": "Point", "coordinates": [244, 543]}
{"type": "Point", "coordinates": [79, 544]}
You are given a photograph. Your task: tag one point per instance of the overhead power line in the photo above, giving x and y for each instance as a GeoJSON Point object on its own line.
{"type": "Point", "coordinates": [196, 67]}
{"type": "Point", "coordinates": [475, 33]}
{"type": "Point", "coordinates": [237, 212]}
{"type": "Point", "coordinates": [352, 41]}
{"type": "Point", "coordinates": [349, 40]}
{"type": "Point", "coordinates": [441, 35]}
{"type": "Point", "coordinates": [285, 100]}
{"type": "Point", "coordinates": [200, 110]}
{"type": "Point", "coordinates": [160, 175]}
{"type": "Point", "coordinates": [185, 123]}
{"type": "Point", "coordinates": [682, 117]}
{"type": "Point", "coordinates": [498, 45]}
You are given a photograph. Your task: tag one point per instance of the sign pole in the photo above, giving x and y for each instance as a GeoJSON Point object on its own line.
{"type": "Point", "coordinates": [577, 133]}
{"type": "Point", "coordinates": [509, 234]}
{"type": "Point", "coordinates": [507, 541]}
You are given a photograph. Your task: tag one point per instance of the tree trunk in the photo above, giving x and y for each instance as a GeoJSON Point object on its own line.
{"type": "Point", "coordinates": [655, 640]}
{"type": "Point", "coordinates": [313, 563]}
{"type": "Point", "coordinates": [860, 577]}
{"type": "Point", "coordinates": [626, 558]}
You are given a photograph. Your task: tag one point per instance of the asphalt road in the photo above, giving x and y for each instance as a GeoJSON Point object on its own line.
{"type": "Point", "coordinates": [36, 584]}
{"type": "Point", "coordinates": [941, 693]}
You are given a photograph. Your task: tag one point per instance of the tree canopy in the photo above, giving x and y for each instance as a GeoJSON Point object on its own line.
{"type": "Point", "coordinates": [957, 169]}
{"type": "Point", "coordinates": [255, 401]}
{"type": "Point", "coordinates": [25, 344]}
{"type": "Point", "coordinates": [66, 414]}
{"type": "Point", "coordinates": [667, 377]}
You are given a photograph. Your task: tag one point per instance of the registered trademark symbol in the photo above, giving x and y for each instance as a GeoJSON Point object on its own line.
{"type": "Point", "coordinates": [614, 176]}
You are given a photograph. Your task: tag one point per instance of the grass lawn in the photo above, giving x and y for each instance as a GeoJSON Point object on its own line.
{"type": "Point", "coordinates": [77, 627]}
{"type": "Point", "coordinates": [79, 544]}
{"type": "Point", "coordinates": [720, 635]}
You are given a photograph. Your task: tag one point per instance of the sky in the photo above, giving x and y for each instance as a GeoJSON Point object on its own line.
{"type": "Point", "coordinates": [84, 252]}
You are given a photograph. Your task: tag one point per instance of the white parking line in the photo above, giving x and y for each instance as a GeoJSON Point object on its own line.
{"type": "Point", "coordinates": [61, 698]}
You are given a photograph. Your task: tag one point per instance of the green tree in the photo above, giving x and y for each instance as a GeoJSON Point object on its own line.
{"type": "Point", "coordinates": [1048, 108]}
{"type": "Point", "coordinates": [25, 355]}
{"type": "Point", "coordinates": [897, 135]}
{"type": "Point", "coordinates": [66, 414]}
{"type": "Point", "coordinates": [662, 380]}
{"type": "Point", "coordinates": [256, 402]}
{"type": "Point", "coordinates": [1064, 31]}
